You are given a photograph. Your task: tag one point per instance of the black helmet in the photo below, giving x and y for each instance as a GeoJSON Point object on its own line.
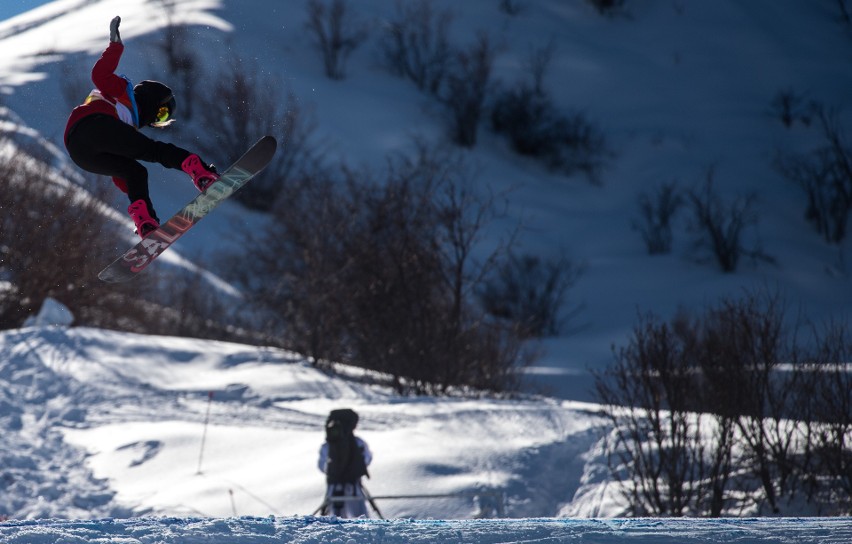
{"type": "Point", "coordinates": [150, 97]}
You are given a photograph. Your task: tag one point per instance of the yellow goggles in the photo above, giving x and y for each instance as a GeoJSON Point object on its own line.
{"type": "Point", "coordinates": [163, 114]}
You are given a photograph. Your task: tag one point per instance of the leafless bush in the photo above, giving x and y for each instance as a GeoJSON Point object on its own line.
{"type": "Point", "coordinates": [825, 175]}
{"type": "Point", "coordinates": [415, 45]}
{"type": "Point", "coordinates": [468, 84]}
{"type": "Point", "coordinates": [297, 279]}
{"type": "Point", "coordinates": [531, 292]}
{"type": "Point", "coordinates": [657, 213]}
{"type": "Point", "coordinates": [656, 444]}
{"type": "Point", "coordinates": [608, 7]}
{"type": "Point", "coordinates": [527, 116]}
{"type": "Point", "coordinates": [538, 63]}
{"type": "Point", "coordinates": [719, 227]}
{"type": "Point", "coordinates": [740, 371]}
{"type": "Point", "coordinates": [828, 396]}
{"type": "Point", "coordinates": [241, 107]}
{"type": "Point", "coordinates": [335, 34]}
{"type": "Point", "coordinates": [381, 275]}
{"type": "Point", "coordinates": [745, 342]}
{"type": "Point", "coordinates": [54, 239]}
{"type": "Point", "coordinates": [790, 107]}
{"type": "Point", "coordinates": [565, 143]}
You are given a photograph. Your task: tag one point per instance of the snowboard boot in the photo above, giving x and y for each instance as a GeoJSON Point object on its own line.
{"type": "Point", "coordinates": [202, 175]}
{"type": "Point", "coordinates": [145, 224]}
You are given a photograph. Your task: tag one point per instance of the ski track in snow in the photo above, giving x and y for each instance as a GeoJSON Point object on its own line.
{"type": "Point", "coordinates": [86, 379]}
{"type": "Point", "coordinates": [79, 381]}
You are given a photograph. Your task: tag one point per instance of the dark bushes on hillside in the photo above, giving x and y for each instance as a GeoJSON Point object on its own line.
{"type": "Point", "coordinates": [531, 292]}
{"type": "Point", "coordinates": [657, 214]}
{"type": "Point", "coordinates": [381, 274]}
{"type": "Point", "coordinates": [241, 106]}
{"type": "Point", "coordinates": [825, 176]}
{"type": "Point", "coordinates": [415, 44]}
{"type": "Point", "coordinates": [467, 88]}
{"type": "Point", "coordinates": [719, 227]}
{"type": "Point", "coordinates": [565, 143]}
{"type": "Point", "coordinates": [335, 34]}
{"type": "Point", "coordinates": [54, 238]}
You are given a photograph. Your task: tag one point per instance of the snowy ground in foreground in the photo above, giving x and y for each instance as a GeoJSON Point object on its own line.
{"type": "Point", "coordinates": [305, 530]}
{"type": "Point", "coordinates": [107, 426]}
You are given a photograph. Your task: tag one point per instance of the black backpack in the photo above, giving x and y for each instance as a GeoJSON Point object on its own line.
{"type": "Point", "coordinates": [345, 457]}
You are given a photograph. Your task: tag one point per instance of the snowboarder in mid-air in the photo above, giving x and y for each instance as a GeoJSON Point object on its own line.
{"type": "Point", "coordinates": [102, 135]}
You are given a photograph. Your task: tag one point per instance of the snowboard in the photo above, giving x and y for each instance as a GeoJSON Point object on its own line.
{"type": "Point", "coordinates": [149, 248]}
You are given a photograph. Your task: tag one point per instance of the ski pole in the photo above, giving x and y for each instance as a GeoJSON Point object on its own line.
{"type": "Point", "coordinates": [371, 501]}
{"type": "Point", "coordinates": [321, 510]}
{"type": "Point", "coordinates": [204, 433]}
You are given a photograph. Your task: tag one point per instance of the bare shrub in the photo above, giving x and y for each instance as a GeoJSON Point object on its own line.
{"type": "Point", "coordinates": [608, 7]}
{"type": "Point", "coordinates": [656, 444]}
{"type": "Point", "coordinates": [335, 34]}
{"type": "Point", "coordinates": [467, 87]}
{"type": "Point", "coordinates": [296, 280]}
{"type": "Point", "coordinates": [790, 107]}
{"type": "Point", "coordinates": [538, 62]}
{"type": "Point", "coordinates": [745, 342]}
{"type": "Point", "coordinates": [825, 175]}
{"type": "Point", "coordinates": [381, 275]}
{"type": "Point", "coordinates": [54, 238]}
{"type": "Point", "coordinates": [719, 227]}
{"type": "Point", "coordinates": [241, 107]}
{"type": "Point", "coordinates": [414, 44]}
{"type": "Point", "coordinates": [530, 292]}
{"type": "Point", "coordinates": [657, 213]}
{"type": "Point", "coordinates": [829, 402]}
{"type": "Point", "coordinates": [729, 368]}
{"type": "Point", "coordinates": [565, 143]}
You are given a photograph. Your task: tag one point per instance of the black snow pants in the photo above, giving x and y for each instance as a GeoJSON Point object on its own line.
{"type": "Point", "coordinates": [104, 145]}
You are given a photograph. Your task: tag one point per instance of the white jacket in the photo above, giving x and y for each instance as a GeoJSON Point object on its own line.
{"type": "Point", "coordinates": [323, 454]}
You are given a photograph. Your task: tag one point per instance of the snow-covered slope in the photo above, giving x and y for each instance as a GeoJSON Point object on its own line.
{"type": "Point", "coordinates": [107, 427]}
{"type": "Point", "coordinates": [676, 87]}
{"type": "Point", "coordinates": [138, 406]}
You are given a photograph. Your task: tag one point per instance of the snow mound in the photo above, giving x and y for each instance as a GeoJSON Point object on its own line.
{"type": "Point", "coordinates": [310, 530]}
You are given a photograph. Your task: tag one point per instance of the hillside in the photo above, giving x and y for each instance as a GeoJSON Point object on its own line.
{"type": "Point", "coordinates": [676, 89]}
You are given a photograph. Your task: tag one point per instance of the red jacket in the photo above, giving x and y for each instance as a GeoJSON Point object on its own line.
{"type": "Point", "coordinates": [114, 94]}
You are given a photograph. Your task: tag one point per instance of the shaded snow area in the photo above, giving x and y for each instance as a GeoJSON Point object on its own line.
{"type": "Point", "coordinates": [110, 427]}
